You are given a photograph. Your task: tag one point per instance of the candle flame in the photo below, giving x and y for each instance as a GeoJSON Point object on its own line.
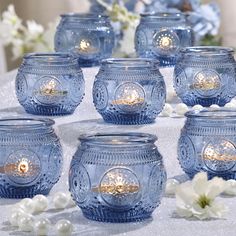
{"type": "Point", "coordinates": [23, 166]}
{"type": "Point", "coordinates": [84, 45]}
{"type": "Point", "coordinates": [166, 42]}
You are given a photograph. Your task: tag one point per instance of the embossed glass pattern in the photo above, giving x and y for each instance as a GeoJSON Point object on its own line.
{"type": "Point", "coordinates": [129, 91]}
{"type": "Point", "coordinates": [49, 84]}
{"type": "Point", "coordinates": [205, 76]}
{"type": "Point", "coordinates": [90, 38]}
{"type": "Point", "coordinates": [208, 143]}
{"type": "Point", "coordinates": [117, 177]}
{"type": "Point", "coordinates": [30, 157]}
{"type": "Point", "coordinates": [161, 36]}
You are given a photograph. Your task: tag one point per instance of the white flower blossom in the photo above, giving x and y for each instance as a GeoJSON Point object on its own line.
{"type": "Point", "coordinates": [34, 29]}
{"type": "Point", "coordinates": [48, 35]}
{"type": "Point", "coordinates": [5, 33]}
{"type": "Point", "coordinates": [9, 17]}
{"type": "Point", "coordinates": [197, 198]}
{"type": "Point", "coordinates": [24, 39]}
{"type": "Point", "coordinates": [17, 48]}
{"type": "Point", "coordinates": [127, 42]}
{"type": "Point", "coordinates": [211, 14]}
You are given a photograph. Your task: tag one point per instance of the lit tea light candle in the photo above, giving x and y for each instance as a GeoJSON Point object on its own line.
{"type": "Point", "coordinates": [50, 88]}
{"type": "Point", "coordinates": [165, 42]}
{"type": "Point", "coordinates": [22, 168]}
{"type": "Point", "coordinates": [117, 185]}
{"type": "Point", "coordinates": [86, 46]}
{"type": "Point", "coordinates": [224, 152]}
{"type": "Point", "coordinates": [130, 98]}
{"type": "Point", "coordinates": [206, 81]}
{"type": "Point", "coordinates": [118, 189]}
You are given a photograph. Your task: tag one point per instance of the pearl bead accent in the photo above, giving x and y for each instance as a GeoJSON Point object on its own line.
{"type": "Point", "coordinates": [230, 187]}
{"type": "Point", "coordinates": [233, 101]}
{"type": "Point", "coordinates": [20, 214]}
{"type": "Point", "coordinates": [27, 205]}
{"type": "Point", "coordinates": [215, 106]}
{"type": "Point", "coordinates": [64, 227]}
{"type": "Point", "coordinates": [41, 203]}
{"type": "Point", "coordinates": [230, 105]}
{"type": "Point", "coordinates": [171, 186]}
{"type": "Point", "coordinates": [60, 200]}
{"type": "Point", "coordinates": [16, 214]}
{"type": "Point", "coordinates": [71, 202]}
{"type": "Point", "coordinates": [26, 223]}
{"type": "Point", "coordinates": [167, 110]}
{"type": "Point", "coordinates": [42, 226]}
{"type": "Point", "coordinates": [197, 108]}
{"type": "Point", "coordinates": [181, 109]}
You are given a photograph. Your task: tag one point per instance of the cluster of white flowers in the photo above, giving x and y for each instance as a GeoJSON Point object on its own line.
{"type": "Point", "coordinates": [23, 214]}
{"type": "Point", "coordinates": [123, 21]}
{"type": "Point", "coordinates": [203, 17]}
{"type": "Point", "coordinates": [198, 198]}
{"type": "Point", "coordinates": [27, 38]}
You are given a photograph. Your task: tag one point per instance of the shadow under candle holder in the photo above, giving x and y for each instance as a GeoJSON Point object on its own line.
{"type": "Point", "coordinates": [87, 227]}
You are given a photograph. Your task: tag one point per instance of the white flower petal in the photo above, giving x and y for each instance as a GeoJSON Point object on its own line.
{"type": "Point", "coordinates": [200, 213]}
{"type": "Point", "coordinates": [215, 187]}
{"type": "Point", "coordinates": [217, 210]}
{"type": "Point", "coordinates": [200, 183]}
{"type": "Point", "coordinates": [197, 198]}
{"type": "Point", "coordinates": [185, 194]}
{"type": "Point", "coordinates": [184, 212]}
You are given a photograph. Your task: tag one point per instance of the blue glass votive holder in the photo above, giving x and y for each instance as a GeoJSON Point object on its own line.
{"type": "Point", "coordinates": [208, 143]}
{"type": "Point", "coordinates": [129, 91]}
{"type": "Point", "coordinates": [89, 37]}
{"type": "Point", "coordinates": [30, 157]}
{"type": "Point", "coordinates": [117, 177]}
{"type": "Point", "coordinates": [162, 35]}
{"type": "Point", "coordinates": [205, 75]}
{"type": "Point", "coordinates": [49, 84]}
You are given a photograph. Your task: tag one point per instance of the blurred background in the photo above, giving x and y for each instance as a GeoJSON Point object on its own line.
{"type": "Point", "coordinates": [218, 17]}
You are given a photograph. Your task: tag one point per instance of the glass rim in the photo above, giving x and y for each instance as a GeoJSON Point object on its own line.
{"type": "Point", "coordinates": [214, 114]}
{"type": "Point", "coordinates": [119, 139]}
{"type": "Point", "coordinates": [131, 62]}
{"type": "Point", "coordinates": [43, 55]}
{"type": "Point", "coordinates": [25, 123]}
{"type": "Point", "coordinates": [207, 50]}
{"type": "Point", "coordinates": [85, 15]}
{"type": "Point", "coordinates": [54, 57]}
{"type": "Point", "coordinates": [163, 15]}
